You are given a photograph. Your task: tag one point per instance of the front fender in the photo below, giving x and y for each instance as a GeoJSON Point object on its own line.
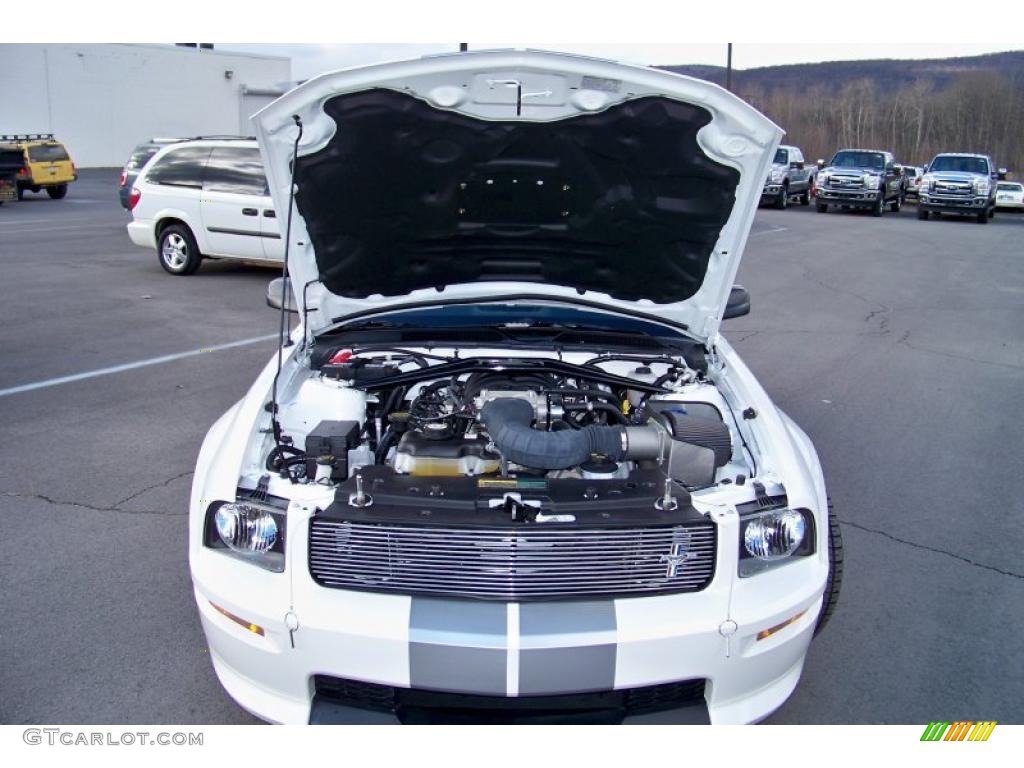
{"type": "Point", "coordinates": [223, 452]}
{"type": "Point", "coordinates": [809, 453]}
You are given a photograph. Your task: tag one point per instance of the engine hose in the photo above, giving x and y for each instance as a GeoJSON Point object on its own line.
{"type": "Point", "coordinates": [381, 453]}
{"type": "Point", "coordinates": [394, 399]}
{"type": "Point", "coordinates": [276, 459]}
{"type": "Point", "coordinates": [508, 421]}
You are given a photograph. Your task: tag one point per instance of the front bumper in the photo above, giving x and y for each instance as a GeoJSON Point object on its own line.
{"type": "Point", "coordinates": [855, 198]}
{"type": "Point", "coordinates": [940, 203]}
{"type": "Point", "coordinates": [487, 652]}
{"type": "Point", "coordinates": [771, 191]}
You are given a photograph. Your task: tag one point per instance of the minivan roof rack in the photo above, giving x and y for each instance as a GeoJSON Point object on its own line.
{"type": "Point", "coordinates": [26, 136]}
{"type": "Point", "coordinates": [221, 137]}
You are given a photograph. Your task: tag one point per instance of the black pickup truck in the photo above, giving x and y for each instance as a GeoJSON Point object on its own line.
{"type": "Point", "coordinates": [861, 178]}
{"type": "Point", "coordinates": [789, 176]}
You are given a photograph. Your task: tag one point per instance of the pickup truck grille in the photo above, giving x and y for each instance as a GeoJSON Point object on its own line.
{"type": "Point", "coordinates": [846, 182]}
{"type": "Point", "coordinates": [952, 188]}
{"type": "Point", "coordinates": [512, 564]}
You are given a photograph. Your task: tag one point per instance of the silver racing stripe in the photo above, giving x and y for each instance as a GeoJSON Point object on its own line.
{"type": "Point", "coordinates": [458, 645]}
{"type": "Point", "coordinates": [566, 647]}
{"type": "Point", "coordinates": [465, 646]}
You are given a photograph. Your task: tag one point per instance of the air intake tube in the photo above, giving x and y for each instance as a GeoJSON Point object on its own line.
{"type": "Point", "coordinates": [508, 421]}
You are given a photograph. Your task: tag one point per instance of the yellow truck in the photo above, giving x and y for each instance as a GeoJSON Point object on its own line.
{"type": "Point", "coordinates": [47, 164]}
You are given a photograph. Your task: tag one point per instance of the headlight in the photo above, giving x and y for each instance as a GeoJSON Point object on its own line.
{"type": "Point", "coordinates": [822, 180]}
{"type": "Point", "coordinates": [982, 186]}
{"type": "Point", "coordinates": [777, 175]}
{"type": "Point", "coordinates": [773, 537]}
{"type": "Point", "coordinates": [249, 531]}
{"type": "Point", "coordinates": [871, 181]}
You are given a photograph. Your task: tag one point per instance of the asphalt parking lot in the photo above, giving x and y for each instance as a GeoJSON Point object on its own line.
{"type": "Point", "coordinates": [896, 344]}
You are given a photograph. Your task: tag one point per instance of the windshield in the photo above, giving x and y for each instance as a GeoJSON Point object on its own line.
{"type": "Point", "coordinates": [781, 157]}
{"type": "Point", "coordinates": [1010, 187]}
{"type": "Point", "coordinates": [853, 159]}
{"type": "Point", "coordinates": [959, 164]}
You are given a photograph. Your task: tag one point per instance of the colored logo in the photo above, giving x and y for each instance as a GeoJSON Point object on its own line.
{"type": "Point", "coordinates": [676, 559]}
{"type": "Point", "coordinates": [961, 730]}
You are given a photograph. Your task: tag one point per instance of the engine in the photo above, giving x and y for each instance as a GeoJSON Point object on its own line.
{"type": "Point", "coordinates": [505, 418]}
{"type": "Point", "coordinates": [548, 426]}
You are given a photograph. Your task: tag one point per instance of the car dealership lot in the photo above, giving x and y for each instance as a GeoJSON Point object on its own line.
{"type": "Point", "coordinates": [895, 343]}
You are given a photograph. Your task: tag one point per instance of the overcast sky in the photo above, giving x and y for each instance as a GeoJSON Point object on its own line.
{"type": "Point", "coordinates": [309, 60]}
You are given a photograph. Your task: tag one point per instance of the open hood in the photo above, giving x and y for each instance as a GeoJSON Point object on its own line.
{"type": "Point", "coordinates": [482, 175]}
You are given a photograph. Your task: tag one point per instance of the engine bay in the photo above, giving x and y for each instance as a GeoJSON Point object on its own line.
{"type": "Point", "coordinates": [518, 436]}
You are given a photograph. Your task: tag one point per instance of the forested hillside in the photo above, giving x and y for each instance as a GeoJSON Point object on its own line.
{"type": "Point", "coordinates": [915, 108]}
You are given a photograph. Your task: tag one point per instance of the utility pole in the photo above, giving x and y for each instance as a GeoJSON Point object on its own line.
{"type": "Point", "coordinates": [728, 67]}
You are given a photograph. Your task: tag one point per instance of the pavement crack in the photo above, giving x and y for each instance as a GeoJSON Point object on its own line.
{"type": "Point", "coordinates": [91, 507]}
{"type": "Point", "coordinates": [808, 275]}
{"type": "Point", "coordinates": [905, 341]}
{"type": "Point", "coordinates": [148, 488]}
{"type": "Point", "coordinates": [880, 310]}
{"type": "Point", "coordinates": [735, 337]}
{"type": "Point", "coordinates": [936, 550]}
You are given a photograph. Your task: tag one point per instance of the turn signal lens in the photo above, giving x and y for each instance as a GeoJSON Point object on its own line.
{"type": "Point", "coordinates": [256, 629]}
{"type": "Point", "coordinates": [766, 633]}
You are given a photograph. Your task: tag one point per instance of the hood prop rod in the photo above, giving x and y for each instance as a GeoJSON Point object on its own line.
{"type": "Point", "coordinates": [282, 326]}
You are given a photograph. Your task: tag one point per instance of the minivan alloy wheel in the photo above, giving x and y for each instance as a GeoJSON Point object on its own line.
{"type": "Point", "coordinates": [175, 251]}
{"type": "Point", "coordinates": [178, 251]}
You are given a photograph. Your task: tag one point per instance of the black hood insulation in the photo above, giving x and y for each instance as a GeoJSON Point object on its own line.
{"type": "Point", "coordinates": [406, 196]}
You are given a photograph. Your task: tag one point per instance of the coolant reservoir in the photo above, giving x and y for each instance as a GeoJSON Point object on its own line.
{"type": "Point", "coordinates": [644, 374]}
{"type": "Point", "coordinates": [319, 399]}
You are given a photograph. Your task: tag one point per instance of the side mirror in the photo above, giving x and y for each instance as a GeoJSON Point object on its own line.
{"type": "Point", "coordinates": [738, 304]}
{"type": "Point", "coordinates": [274, 291]}
{"type": "Point", "coordinates": [796, 164]}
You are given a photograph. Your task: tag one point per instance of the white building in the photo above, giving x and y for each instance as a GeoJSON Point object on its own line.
{"type": "Point", "coordinates": [102, 100]}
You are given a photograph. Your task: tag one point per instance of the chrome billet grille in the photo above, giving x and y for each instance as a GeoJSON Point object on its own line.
{"type": "Point", "coordinates": [512, 564]}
